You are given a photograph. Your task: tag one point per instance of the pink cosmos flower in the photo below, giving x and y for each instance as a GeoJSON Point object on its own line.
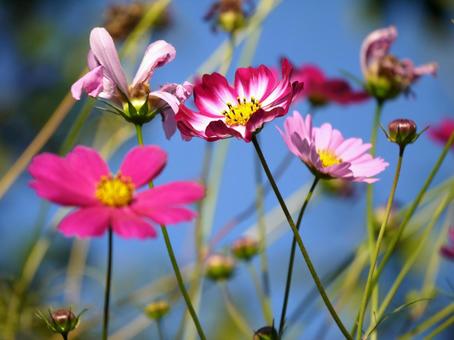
{"type": "Point", "coordinates": [386, 75]}
{"type": "Point", "coordinates": [327, 154]}
{"type": "Point", "coordinates": [320, 90]}
{"type": "Point", "coordinates": [105, 200]}
{"type": "Point", "coordinates": [448, 250]}
{"type": "Point", "coordinates": [135, 102]}
{"type": "Point", "coordinates": [443, 131]}
{"type": "Point", "coordinates": [256, 97]}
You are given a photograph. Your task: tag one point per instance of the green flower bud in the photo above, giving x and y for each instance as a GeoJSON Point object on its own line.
{"type": "Point", "coordinates": [231, 21]}
{"type": "Point", "coordinates": [60, 321]}
{"type": "Point", "coordinates": [266, 333]}
{"type": "Point", "coordinates": [219, 267]}
{"type": "Point", "coordinates": [158, 309]}
{"type": "Point", "coordinates": [402, 131]}
{"type": "Point", "coordinates": [245, 248]}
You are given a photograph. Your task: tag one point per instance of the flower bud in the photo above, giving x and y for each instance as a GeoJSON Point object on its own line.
{"type": "Point", "coordinates": [402, 131]}
{"type": "Point", "coordinates": [158, 309]}
{"type": "Point", "coordinates": [60, 321]}
{"type": "Point", "coordinates": [231, 21]}
{"type": "Point", "coordinates": [266, 333]}
{"type": "Point", "coordinates": [219, 267]}
{"type": "Point", "coordinates": [394, 219]}
{"type": "Point", "coordinates": [245, 248]}
{"type": "Point", "coordinates": [228, 15]}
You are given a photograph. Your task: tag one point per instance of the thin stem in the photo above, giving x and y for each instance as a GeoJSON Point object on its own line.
{"type": "Point", "coordinates": [389, 205]}
{"type": "Point", "coordinates": [437, 317]}
{"type": "Point", "coordinates": [448, 322]}
{"type": "Point", "coordinates": [263, 298]}
{"type": "Point", "coordinates": [105, 324]}
{"type": "Point", "coordinates": [160, 330]}
{"type": "Point", "coordinates": [174, 262]}
{"type": "Point", "coordinates": [288, 282]}
{"type": "Point", "coordinates": [299, 241]}
{"type": "Point", "coordinates": [235, 315]}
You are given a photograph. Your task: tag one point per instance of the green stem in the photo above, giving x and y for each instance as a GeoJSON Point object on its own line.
{"type": "Point", "coordinates": [448, 322]}
{"type": "Point", "coordinates": [105, 324]}
{"type": "Point", "coordinates": [299, 241]}
{"type": "Point", "coordinates": [369, 286]}
{"type": "Point", "coordinates": [292, 257]}
{"type": "Point", "coordinates": [263, 298]}
{"type": "Point", "coordinates": [160, 330]}
{"type": "Point", "coordinates": [174, 262]}
{"type": "Point", "coordinates": [437, 317]}
{"type": "Point", "coordinates": [235, 315]}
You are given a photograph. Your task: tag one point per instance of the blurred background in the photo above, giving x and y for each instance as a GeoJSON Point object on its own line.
{"type": "Point", "coordinates": [43, 48]}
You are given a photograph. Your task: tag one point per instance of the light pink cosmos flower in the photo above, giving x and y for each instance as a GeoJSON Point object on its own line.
{"type": "Point", "coordinates": [104, 200]}
{"type": "Point", "coordinates": [327, 154]}
{"type": "Point", "coordinates": [256, 97]}
{"type": "Point", "coordinates": [135, 102]}
{"type": "Point", "coordinates": [386, 75]}
{"type": "Point", "coordinates": [442, 131]}
{"type": "Point", "coordinates": [448, 250]}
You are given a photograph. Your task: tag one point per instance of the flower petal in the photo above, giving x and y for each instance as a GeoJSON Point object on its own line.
{"type": "Point", "coordinates": [128, 224]}
{"type": "Point", "coordinates": [91, 83]}
{"type": "Point", "coordinates": [376, 46]}
{"type": "Point", "coordinates": [86, 222]}
{"type": "Point", "coordinates": [143, 163]}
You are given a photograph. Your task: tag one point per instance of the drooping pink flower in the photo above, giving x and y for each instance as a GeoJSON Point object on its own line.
{"type": "Point", "coordinates": [320, 90]}
{"type": "Point", "coordinates": [327, 154]}
{"type": "Point", "coordinates": [442, 131]}
{"type": "Point", "coordinates": [224, 111]}
{"type": "Point", "coordinates": [104, 200]}
{"type": "Point", "coordinates": [135, 102]}
{"type": "Point", "coordinates": [387, 76]}
{"type": "Point", "coordinates": [448, 250]}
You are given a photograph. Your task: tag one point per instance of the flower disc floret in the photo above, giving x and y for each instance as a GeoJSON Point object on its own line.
{"type": "Point", "coordinates": [115, 191]}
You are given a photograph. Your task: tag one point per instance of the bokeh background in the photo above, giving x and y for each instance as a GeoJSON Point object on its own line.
{"type": "Point", "coordinates": [43, 46]}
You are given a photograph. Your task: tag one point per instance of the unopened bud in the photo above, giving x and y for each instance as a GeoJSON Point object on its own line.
{"type": "Point", "coordinates": [60, 321]}
{"type": "Point", "coordinates": [156, 310]}
{"type": "Point", "coordinates": [219, 267]}
{"type": "Point", "coordinates": [402, 131]}
{"type": "Point", "coordinates": [245, 248]}
{"type": "Point", "coordinates": [266, 333]}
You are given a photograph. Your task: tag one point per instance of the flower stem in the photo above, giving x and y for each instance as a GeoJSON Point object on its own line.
{"type": "Point", "coordinates": [292, 257]}
{"type": "Point", "coordinates": [160, 330]}
{"type": "Point", "coordinates": [174, 262]}
{"type": "Point", "coordinates": [369, 285]}
{"type": "Point", "coordinates": [299, 241]}
{"type": "Point", "coordinates": [437, 317]}
{"type": "Point", "coordinates": [105, 324]}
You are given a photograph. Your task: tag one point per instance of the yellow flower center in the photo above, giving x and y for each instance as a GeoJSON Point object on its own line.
{"type": "Point", "coordinates": [328, 158]}
{"type": "Point", "coordinates": [115, 191]}
{"type": "Point", "coordinates": [241, 112]}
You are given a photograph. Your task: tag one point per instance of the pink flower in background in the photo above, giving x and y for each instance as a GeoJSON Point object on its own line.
{"type": "Point", "coordinates": [387, 76]}
{"type": "Point", "coordinates": [327, 154]}
{"type": "Point", "coordinates": [448, 250]}
{"type": "Point", "coordinates": [224, 111]}
{"type": "Point", "coordinates": [104, 200]}
{"type": "Point", "coordinates": [320, 90]}
{"type": "Point", "coordinates": [135, 102]}
{"type": "Point", "coordinates": [443, 131]}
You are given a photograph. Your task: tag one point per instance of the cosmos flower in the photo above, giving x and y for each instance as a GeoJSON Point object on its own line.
{"type": "Point", "coordinates": [135, 102]}
{"type": "Point", "coordinates": [448, 250]}
{"type": "Point", "coordinates": [104, 200]}
{"type": "Point", "coordinates": [320, 90]}
{"type": "Point", "coordinates": [256, 97]}
{"type": "Point", "coordinates": [387, 76]}
{"type": "Point", "coordinates": [327, 154]}
{"type": "Point", "coordinates": [442, 131]}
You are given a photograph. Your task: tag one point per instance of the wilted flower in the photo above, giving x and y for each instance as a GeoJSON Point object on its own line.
{"type": "Point", "coordinates": [135, 102]}
{"type": "Point", "coordinates": [385, 75]}
{"type": "Point", "coordinates": [245, 248]}
{"type": "Point", "coordinates": [320, 90]}
{"type": "Point", "coordinates": [240, 111]}
{"type": "Point", "coordinates": [61, 321]}
{"type": "Point", "coordinates": [158, 309]}
{"type": "Point", "coordinates": [448, 250]}
{"type": "Point", "coordinates": [82, 179]}
{"type": "Point", "coordinates": [442, 131]}
{"type": "Point", "coordinates": [229, 15]}
{"type": "Point", "coordinates": [219, 267]}
{"type": "Point", "coordinates": [327, 154]}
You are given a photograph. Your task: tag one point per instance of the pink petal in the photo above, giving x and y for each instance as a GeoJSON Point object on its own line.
{"type": "Point", "coordinates": [143, 163]}
{"type": "Point", "coordinates": [430, 69]}
{"type": "Point", "coordinates": [376, 46]}
{"type": "Point", "coordinates": [156, 55]}
{"type": "Point", "coordinates": [166, 98]}
{"type": "Point", "coordinates": [103, 48]}
{"type": "Point", "coordinates": [86, 222]}
{"type": "Point", "coordinates": [91, 83]}
{"type": "Point", "coordinates": [128, 224]}
{"type": "Point", "coordinates": [88, 162]}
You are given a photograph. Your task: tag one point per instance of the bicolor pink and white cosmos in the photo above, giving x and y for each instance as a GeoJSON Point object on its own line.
{"type": "Point", "coordinates": [107, 80]}
{"type": "Point", "coordinates": [104, 200]}
{"type": "Point", "coordinates": [327, 154]}
{"type": "Point", "coordinates": [256, 97]}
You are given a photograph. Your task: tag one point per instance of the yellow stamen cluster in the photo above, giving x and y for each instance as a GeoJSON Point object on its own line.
{"type": "Point", "coordinates": [241, 112]}
{"type": "Point", "coordinates": [328, 158]}
{"type": "Point", "coordinates": [115, 191]}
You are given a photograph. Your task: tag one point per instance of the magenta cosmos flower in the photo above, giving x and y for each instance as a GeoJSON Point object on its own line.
{"type": "Point", "coordinates": [135, 102]}
{"type": "Point", "coordinates": [387, 76]}
{"type": "Point", "coordinates": [327, 154]}
{"type": "Point", "coordinates": [256, 97]}
{"type": "Point", "coordinates": [442, 131]}
{"type": "Point", "coordinates": [448, 250]}
{"type": "Point", "coordinates": [105, 200]}
{"type": "Point", "coordinates": [320, 90]}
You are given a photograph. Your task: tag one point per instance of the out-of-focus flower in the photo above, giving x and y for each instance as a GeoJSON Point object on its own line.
{"type": "Point", "coordinates": [327, 154]}
{"type": "Point", "coordinates": [394, 219]}
{"type": "Point", "coordinates": [157, 310]}
{"type": "Point", "coordinates": [385, 75]}
{"type": "Point", "coordinates": [61, 321]}
{"type": "Point", "coordinates": [219, 267]}
{"type": "Point", "coordinates": [256, 97]}
{"type": "Point", "coordinates": [245, 248]}
{"type": "Point", "coordinates": [320, 90]}
{"type": "Point", "coordinates": [229, 15]}
{"type": "Point", "coordinates": [135, 102]}
{"type": "Point", "coordinates": [338, 188]}
{"type": "Point", "coordinates": [448, 250]}
{"type": "Point", "coordinates": [442, 131]}
{"type": "Point", "coordinates": [104, 200]}
{"type": "Point", "coordinates": [403, 132]}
